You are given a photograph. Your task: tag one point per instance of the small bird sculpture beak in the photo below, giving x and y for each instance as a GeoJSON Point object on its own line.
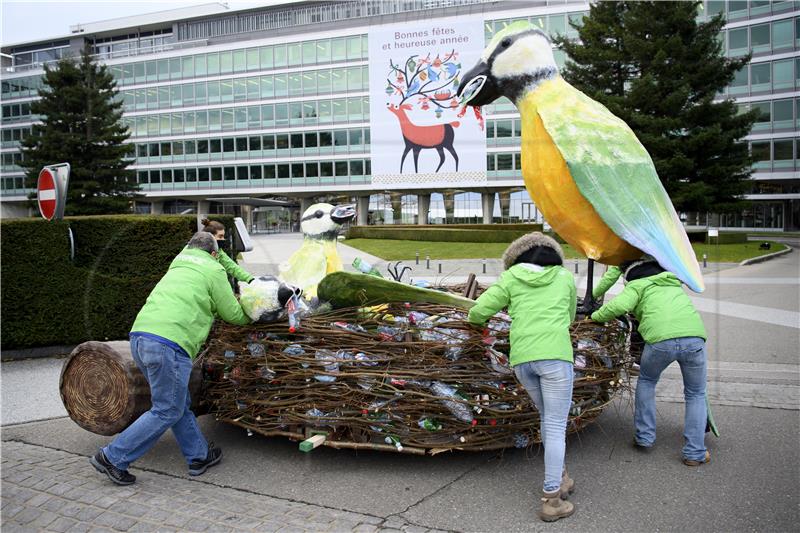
{"type": "Point", "coordinates": [343, 213]}
{"type": "Point", "coordinates": [478, 87]}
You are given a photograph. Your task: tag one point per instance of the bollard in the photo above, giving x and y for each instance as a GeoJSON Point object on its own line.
{"type": "Point", "coordinates": [705, 261]}
{"type": "Point", "coordinates": [483, 262]}
{"type": "Point", "coordinates": [428, 262]}
{"type": "Point", "coordinates": [576, 267]}
{"type": "Point", "coordinates": [417, 254]}
{"type": "Point", "coordinates": [440, 268]}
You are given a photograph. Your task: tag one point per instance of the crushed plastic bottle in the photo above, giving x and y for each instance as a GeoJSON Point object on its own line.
{"type": "Point", "coordinates": [315, 413]}
{"type": "Point", "coordinates": [580, 361]}
{"type": "Point", "coordinates": [498, 361]}
{"type": "Point", "coordinates": [419, 318]}
{"type": "Point", "coordinates": [240, 405]}
{"type": "Point", "coordinates": [329, 363]}
{"type": "Point", "coordinates": [365, 268]}
{"type": "Point", "coordinates": [230, 354]}
{"type": "Point", "coordinates": [256, 349]}
{"type": "Point", "coordinates": [521, 440]}
{"type": "Point", "coordinates": [353, 328]}
{"type": "Point", "coordinates": [391, 439]}
{"type": "Point", "coordinates": [461, 411]}
{"type": "Point", "coordinates": [294, 349]}
{"type": "Point", "coordinates": [429, 424]}
{"type": "Point", "coordinates": [266, 373]}
{"type": "Point", "coordinates": [364, 360]}
{"type": "Point", "coordinates": [386, 333]}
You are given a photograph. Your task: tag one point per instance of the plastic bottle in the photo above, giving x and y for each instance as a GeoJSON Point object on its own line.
{"type": "Point", "coordinates": [458, 409]}
{"type": "Point", "coordinates": [521, 440]}
{"type": "Point", "coordinates": [329, 362]}
{"type": "Point", "coordinates": [386, 333]}
{"type": "Point", "coordinates": [293, 314]}
{"type": "Point", "coordinates": [256, 349]}
{"type": "Point", "coordinates": [353, 328]}
{"type": "Point", "coordinates": [429, 424]}
{"type": "Point", "coordinates": [391, 439]}
{"type": "Point", "coordinates": [365, 268]}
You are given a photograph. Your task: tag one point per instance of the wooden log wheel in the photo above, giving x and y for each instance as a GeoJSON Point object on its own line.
{"type": "Point", "coordinates": [104, 391]}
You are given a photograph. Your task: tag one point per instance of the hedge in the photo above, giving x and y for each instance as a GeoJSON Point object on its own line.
{"type": "Point", "coordinates": [514, 227]}
{"type": "Point", "coordinates": [723, 238]}
{"type": "Point", "coordinates": [434, 234]}
{"type": "Point", "coordinates": [48, 299]}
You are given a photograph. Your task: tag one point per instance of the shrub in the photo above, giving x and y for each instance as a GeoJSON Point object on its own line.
{"type": "Point", "coordinates": [49, 299]}
{"type": "Point", "coordinates": [436, 233]}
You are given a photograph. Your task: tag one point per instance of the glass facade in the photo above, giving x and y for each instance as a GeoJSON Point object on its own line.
{"type": "Point", "coordinates": [295, 114]}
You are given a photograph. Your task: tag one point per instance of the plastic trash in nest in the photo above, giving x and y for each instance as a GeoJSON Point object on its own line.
{"type": "Point", "coordinates": [422, 283]}
{"type": "Point", "coordinates": [329, 362]}
{"type": "Point", "coordinates": [429, 424]}
{"type": "Point", "coordinates": [294, 349]}
{"type": "Point", "coordinates": [353, 328]}
{"type": "Point", "coordinates": [365, 360]}
{"type": "Point", "coordinates": [386, 333]}
{"type": "Point", "coordinates": [595, 348]}
{"type": "Point", "coordinates": [230, 354]}
{"type": "Point", "coordinates": [266, 373]}
{"type": "Point", "coordinates": [521, 440]}
{"type": "Point", "coordinates": [580, 361]}
{"type": "Point", "coordinates": [256, 350]}
{"type": "Point", "coordinates": [365, 268]}
{"type": "Point", "coordinates": [498, 361]}
{"type": "Point", "coordinates": [448, 394]}
{"type": "Point", "coordinates": [419, 319]}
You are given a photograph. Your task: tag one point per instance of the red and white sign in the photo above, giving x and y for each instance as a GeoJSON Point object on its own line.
{"type": "Point", "coordinates": [47, 194]}
{"type": "Point", "coordinates": [52, 190]}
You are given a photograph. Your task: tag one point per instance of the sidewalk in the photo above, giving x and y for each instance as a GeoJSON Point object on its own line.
{"type": "Point", "coordinates": [45, 489]}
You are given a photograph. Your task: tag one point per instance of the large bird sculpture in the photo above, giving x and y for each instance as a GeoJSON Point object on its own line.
{"type": "Point", "coordinates": [587, 172]}
{"type": "Point", "coordinates": [318, 256]}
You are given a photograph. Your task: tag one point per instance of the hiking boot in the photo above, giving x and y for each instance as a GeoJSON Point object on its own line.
{"type": "Point", "coordinates": [698, 462]}
{"type": "Point", "coordinates": [554, 508]}
{"type": "Point", "coordinates": [103, 465]}
{"type": "Point", "coordinates": [567, 485]}
{"type": "Point", "coordinates": [213, 457]}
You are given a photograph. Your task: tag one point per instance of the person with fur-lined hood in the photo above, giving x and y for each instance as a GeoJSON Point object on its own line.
{"type": "Point", "coordinates": [541, 299]}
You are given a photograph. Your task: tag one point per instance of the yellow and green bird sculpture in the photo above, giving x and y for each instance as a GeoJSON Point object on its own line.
{"type": "Point", "coordinates": [318, 256]}
{"type": "Point", "coordinates": [584, 168]}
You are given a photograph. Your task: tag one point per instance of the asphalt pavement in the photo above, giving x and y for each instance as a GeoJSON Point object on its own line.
{"type": "Point", "coordinates": [265, 484]}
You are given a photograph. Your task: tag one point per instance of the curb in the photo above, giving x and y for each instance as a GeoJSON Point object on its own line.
{"type": "Point", "coordinates": [40, 352]}
{"type": "Point", "coordinates": [762, 258]}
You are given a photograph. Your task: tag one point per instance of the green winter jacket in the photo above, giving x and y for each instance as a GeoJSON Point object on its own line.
{"type": "Point", "coordinates": [232, 268]}
{"type": "Point", "coordinates": [541, 302]}
{"type": "Point", "coordinates": [182, 305]}
{"type": "Point", "coordinates": [658, 302]}
{"type": "Point", "coordinates": [607, 281]}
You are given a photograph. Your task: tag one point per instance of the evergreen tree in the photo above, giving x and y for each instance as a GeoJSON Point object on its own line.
{"type": "Point", "coordinates": [654, 66]}
{"type": "Point", "coordinates": [81, 125]}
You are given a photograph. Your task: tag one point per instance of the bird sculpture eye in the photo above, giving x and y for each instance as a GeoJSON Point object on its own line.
{"type": "Point", "coordinates": [319, 214]}
{"type": "Point", "coordinates": [505, 43]}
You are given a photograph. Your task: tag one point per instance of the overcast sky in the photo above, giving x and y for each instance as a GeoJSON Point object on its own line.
{"type": "Point", "coordinates": [30, 20]}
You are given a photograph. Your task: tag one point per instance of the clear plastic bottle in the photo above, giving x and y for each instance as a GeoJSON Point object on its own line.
{"type": "Point", "coordinates": [365, 268]}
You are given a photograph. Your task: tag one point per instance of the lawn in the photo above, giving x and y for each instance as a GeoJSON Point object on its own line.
{"type": "Point", "coordinates": [391, 250]}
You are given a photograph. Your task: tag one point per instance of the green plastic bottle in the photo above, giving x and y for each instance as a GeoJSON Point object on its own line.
{"type": "Point", "coordinates": [365, 268]}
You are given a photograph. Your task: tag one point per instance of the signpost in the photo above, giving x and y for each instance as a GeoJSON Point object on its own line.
{"type": "Point", "coordinates": [52, 190]}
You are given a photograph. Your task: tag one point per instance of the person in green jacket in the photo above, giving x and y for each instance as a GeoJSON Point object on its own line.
{"type": "Point", "coordinates": [673, 331]}
{"type": "Point", "coordinates": [541, 300]}
{"type": "Point", "coordinates": [613, 273]}
{"type": "Point", "coordinates": [165, 337]}
{"type": "Point", "coordinates": [217, 229]}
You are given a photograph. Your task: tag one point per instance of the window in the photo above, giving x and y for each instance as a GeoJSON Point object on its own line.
{"type": "Point", "coordinates": [191, 174]}
{"type": "Point", "coordinates": [764, 117]}
{"type": "Point", "coordinates": [200, 65]}
{"type": "Point", "coordinates": [255, 172]}
{"type": "Point", "coordinates": [782, 75]}
{"type": "Point", "coordinates": [338, 50]}
{"type": "Point", "coordinates": [227, 145]}
{"type": "Point", "coordinates": [226, 91]}
{"type": "Point", "coordinates": [340, 138]}
{"type": "Point", "coordinates": [737, 40]}
{"type": "Point", "coordinates": [239, 61]}
{"type": "Point", "coordinates": [760, 151]}
{"type": "Point", "coordinates": [739, 83]}
{"type": "Point", "coordinates": [281, 85]}
{"type": "Point", "coordinates": [187, 70]}
{"type": "Point", "coordinates": [356, 137]}
{"type": "Point", "coordinates": [783, 152]}
{"type": "Point", "coordinates": [252, 59]}
{"type": "Point", "coordinates": [325, 138]}
{"type": "Point", "coordinates": [216, 174]}
{"type": "Point", "coordinates": [190, 147]}
{"type": "Point", "coordinates": [326, 169]}
{"type": "Point", "coordinates": [505, 161]}
{"type": "Point", "coordinates": [253, 89]}
{"type": "Point", "coordinates": [175, 68]}
{"type": "Point", "coordinates": [279, 52]}
{"type": "Point", "coordinates": [202, 146]}
{"type": "Point", "coordinates": [240, 90]}
{"type": "Point", "coordinates": [200, 93]}
{"type": "Point", "coordinates": [311, 140]}
{"type": "Point", "coordinates": [295, 54]}
{"type": "Point", "coordinates": [340, 168]}
{"type": "Point", "coordinates": [230, 173]}
{"type": "Point", "coordinates": [760, 76]}
{"type": "Point", "coordinates": [782, 34]}
{"type": "Point", "coordinates": [309, 53]}
{"type": "Point", "coordinates": [253, 116]}
{"type": "Point", "coordinates": [267, 115]}
{"type": "Point", "coordinates": [312, 170]}
{"type": "Point", "coordinates": [163, 69]}
{"type": "Point", "coordinates": [354, 47]}
{"type": "Point", "coordinates": [782, 113]}
{"type": "Point", "coordinates": [269, 172]}
{"type": "Point", "coordinates": [339, 80]}
{"type": "Point", "coordinates": [266, 87]}
{"type": "Point", "coordinates": [357, 168]}
{"type": "Point", "coordinates": [268, 142]}
{"type": "Point", "coordinates": [296, 140]}
{"type": "Point", "coordinates": [298, 171]}
{"type": "Point", "coordinates": [323, 51]}
{"type": "Point", "coordinates": [295, 84]}
{"type": "Point", "coordinates": [759, 38]}
{"type": "Point", "coordinates": [254, 143]}
{"type": "Point", "coordinates": [241, 144]}
{"type": "Point", "coordinates": [309, 83]}
{"type": "Point", "coordinates": [225, 62]}
{"type": "Point", "coordinates": [215, 146]}
{"type": "Point", "coordinates": [504, 128]}
{"type": "Point", "coordinates": [202, 174]}
{"type": "Point", "coordinates": [282, 141]}
{"type": "Point", "coordinates": [178, 175]}
{"type": "Point", "coordinates": [213, 64]}
{"type": "Point", "coordinates": [323, 81]}
{"type": "Point", "coordinates": [265, 57]}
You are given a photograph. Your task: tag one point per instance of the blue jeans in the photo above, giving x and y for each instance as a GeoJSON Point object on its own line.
{"type": "Point", "coordinates": [690, 352]}
{"type": "Point", "coordinates": [167, 371]}
{"type": "Point", "coordinates": [549, 384]}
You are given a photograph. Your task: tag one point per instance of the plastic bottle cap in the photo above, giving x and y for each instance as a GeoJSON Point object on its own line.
{"type": "Point", "coordinates": [492, 422]}
{"type": "Point", "coordinates": [474, 423]}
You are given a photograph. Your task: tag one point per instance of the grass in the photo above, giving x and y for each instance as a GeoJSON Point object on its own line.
{"type": "Point", "coordinates": [392, 250]}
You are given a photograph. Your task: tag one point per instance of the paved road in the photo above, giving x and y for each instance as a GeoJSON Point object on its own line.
{"type": "Point", "coordinates": [752, 483]}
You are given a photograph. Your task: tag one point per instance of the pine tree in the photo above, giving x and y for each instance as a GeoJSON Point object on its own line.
{"type": "Point", "coordinates": [654, 66]}
{"type": "Point", "coordinates": [81, 125]}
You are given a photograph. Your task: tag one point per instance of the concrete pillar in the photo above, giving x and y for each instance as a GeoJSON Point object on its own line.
{"type": "Point", "coordinates": [505, 204]}
{"type": "Point", "coordinates": [423, 208]}
{"type": "Point", "coordinates": [449, 199]}
{"type": "Point", "coordinates": [247, 216]}
{"type": "Point", "coordinates": [305, 203]}
{"type": "Point", "coordinates": [362, 210]}
{"type": "Point", "coordinates": [397, 207]}
{"type": "Point", "coordinates": [487, 205]}
{"type": "Point", "coordinates": [156, 208]}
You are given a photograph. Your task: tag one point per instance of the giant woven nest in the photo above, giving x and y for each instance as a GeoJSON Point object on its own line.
{"type": "Point", "coordinates": [420, 381]}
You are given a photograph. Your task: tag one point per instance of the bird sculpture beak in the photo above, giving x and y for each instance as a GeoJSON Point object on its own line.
{"type": "Point", "coordinates": [478, 87]}
{"type": "Point", "coordinates": [343, 213]}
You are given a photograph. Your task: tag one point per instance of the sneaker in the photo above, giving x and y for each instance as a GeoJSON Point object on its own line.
{"type": "Point", "coordinates": [103, 465]}
{"type": "Point", "coordinates": [641, 447]}
{"type": "Point", "coordinates": [698, 462]}
{"type": "Point", "coordinates": [214, 457]}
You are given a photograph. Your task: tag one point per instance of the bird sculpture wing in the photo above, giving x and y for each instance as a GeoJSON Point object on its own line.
{"type": "Point", "coordinates": [614, 172]}
{"type": "Point", "coordinates": [306, 267]}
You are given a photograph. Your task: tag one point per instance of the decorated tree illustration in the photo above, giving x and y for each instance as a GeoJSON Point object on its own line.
{"type": "Point", "coordinates": [429, 84]}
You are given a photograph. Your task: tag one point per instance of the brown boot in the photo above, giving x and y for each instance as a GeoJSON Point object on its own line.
{"type": "Point", "coordinates": [553, 507]}
{"type": "Point", "coordinates": [567, 485]}
{"type": "Point", "coordinates": [694, 462]}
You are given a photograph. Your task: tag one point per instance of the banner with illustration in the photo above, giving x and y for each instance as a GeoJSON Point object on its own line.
{"type": "Point", "coordinates": [419, 133]}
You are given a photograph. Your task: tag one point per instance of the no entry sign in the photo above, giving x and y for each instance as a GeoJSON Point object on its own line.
{"type": "Point", "coordinates": [52, 190]}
